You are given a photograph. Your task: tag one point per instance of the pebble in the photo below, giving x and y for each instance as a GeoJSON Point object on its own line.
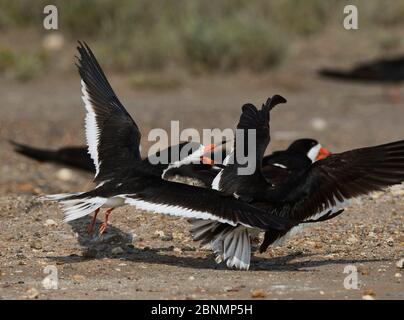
{"type": "Point", "coordinates": [369, 292]}
{"type": "Point", "coordinates": [32, 293]}
{"type": "Point", "coordinates": [64, 174]}
{"type": "Point", "coordinates": [368, 297]}
{"type": "Point", "coordinates": [78, 278]}
{"type": "Point", "coordinates": [191, 278]}
{"type": "Point", "coordinates": [400, 263]}
{"type": "Point", "coordinates": [390, 242]}
{"type": "Point", "coordinates": [50, 223]}
{"type": "Point", "coordinates": [352, 239]}
{"type": "Point", "coordinates": [53, 42]}
{"type": "Point", "coordinates": [168, 237]}
{"type": "Point", "coordinates": [398, 275]}
{"type": "Point", "coordinates": [36, 245]}
{"type": "Point", "coordinates": [258, 293]}
{"type": "Point", "coordinates": [159, 234]}
{"type": "Point", "coordinates": [319, 124]}
{"type": "Point", "coordinates": [117, 250]}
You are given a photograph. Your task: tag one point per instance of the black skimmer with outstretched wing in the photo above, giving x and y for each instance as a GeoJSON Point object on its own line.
{"type": "Point", "coordinates": [317, 193]}
{"type": "Point", "coordinates": [113, 140]}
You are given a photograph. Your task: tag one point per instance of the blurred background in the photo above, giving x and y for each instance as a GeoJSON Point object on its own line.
{"type": "Point", "coordinates": [197, 62]}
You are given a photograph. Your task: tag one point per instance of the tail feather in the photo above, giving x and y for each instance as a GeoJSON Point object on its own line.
{"type": "Point", "coordinates": [230, 244]}
{"type": "Point", "coordinates": [75, 209]}
{"type": "Point", "coordinates": [58, 196]}
{"type": "Point", "coordinates": [75, 205]}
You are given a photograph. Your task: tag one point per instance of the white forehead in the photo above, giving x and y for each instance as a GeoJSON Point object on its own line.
{"type": "Point", "coordinates": [313, 152]}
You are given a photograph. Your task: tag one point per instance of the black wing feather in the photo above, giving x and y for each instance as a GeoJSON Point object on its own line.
{"type": "Point", "coordinates": [340, 177]}
{"type": "Point", "coordinates": [119, 136]}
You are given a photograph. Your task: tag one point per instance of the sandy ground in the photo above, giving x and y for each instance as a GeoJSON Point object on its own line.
{"type": "Point", "coordinates": [149, 256]}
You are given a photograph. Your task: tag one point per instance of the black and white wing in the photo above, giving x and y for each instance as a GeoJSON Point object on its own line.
{"type": "Point", "coordinates": [329, 183]}
{"type": "Point", "coordinates": [113, 137]}
{"type": "Point", "coordinates": [178, 199]}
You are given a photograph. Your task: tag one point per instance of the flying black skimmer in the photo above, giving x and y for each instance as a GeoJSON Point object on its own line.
{"type": "Point", "coordinates": [389, 71]}
{"type": "Point", "coordinates": [113, 141]}
{"type": "Point", "coordinates": [316, 193]}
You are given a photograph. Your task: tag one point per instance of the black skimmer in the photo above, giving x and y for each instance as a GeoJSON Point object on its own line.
{"type": "Point", "coordinates": [113, 141]}
{"type": "Point", "coordinates": [298, 156]}
{"type": "Point", "coordinates": [389, 71]}
{"type": "Point", "coordinates": [316, 193]}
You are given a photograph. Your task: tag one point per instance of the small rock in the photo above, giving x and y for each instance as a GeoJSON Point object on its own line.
{"type": "Point", "coordinates": [36, 245]}
{"type": "Point", "coordinates": [50, 223]}
{"type": "Point", "coordinates": [368, 297]}
{"type": "Point", "coordinates": [32, 293]}
{"type": "Point", "coordinates": [398, 275]}
{"type": "Point", "coordinates": [369, 292]}
{"type": "Point", "coordinates": [177, 250]}
{"type": "Point", "coordinates": [159, 234]}
{"type": "Point", "coordinates": [319, 124]}
{"type": "Point", "coordinates": [371, 234]}
{"type": "Point", "coordinates": [167, 237]}
{"type": "Point", "coordinates": [78, 278]}
{"type": "Point", "coordinates": [376, 195]}
{"type": "Point", "coordinates": [191, 278]}
{"type": "Point", "coordinates": [188, 247]}
{"type": "Point", "coordinates": [64, 174]}
{"type": "Point", "coordinates": [258, 293]}
{"type": "Point", "coordinates": [53, 42]}
{"type": "Point", "coordinates": [117, 250]}
{"type": "Point", "coordinates": [390, 242]}
{"type": "Point", "coordinates": [352, 239]}
{"type": "Point", "coordinates": [400, 263]}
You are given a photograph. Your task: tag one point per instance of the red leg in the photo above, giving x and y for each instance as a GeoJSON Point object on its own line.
{"type": "Point", "coordinates": [92, 224]}
{"type": "Point", "coordinates": [104, 225]}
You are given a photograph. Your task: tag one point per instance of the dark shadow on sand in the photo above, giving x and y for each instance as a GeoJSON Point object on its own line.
{"type": "Point", "coordinates": [95, 247]}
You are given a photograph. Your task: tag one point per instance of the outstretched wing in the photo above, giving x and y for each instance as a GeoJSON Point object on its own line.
{"type": "Point", "coordinates": [330, 182]}
{"type": "Point", "coordinates": [113, 137]}
{"type": "Point", "coordinates": [200, 203]}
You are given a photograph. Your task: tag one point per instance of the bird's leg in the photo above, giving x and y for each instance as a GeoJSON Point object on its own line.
{"type": "Point", "coordinates": [92, 224]}
{"type": "Point", "coordinates": [104, 225]}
